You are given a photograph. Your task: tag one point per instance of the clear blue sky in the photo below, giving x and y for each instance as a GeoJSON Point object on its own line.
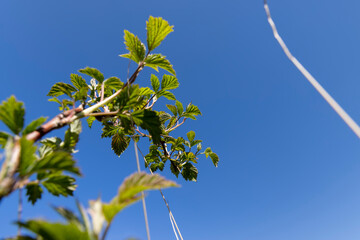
{"type": "Point", "coordinates": [289, 169]}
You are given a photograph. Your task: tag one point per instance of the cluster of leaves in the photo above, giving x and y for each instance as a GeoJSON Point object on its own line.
{"type": "Point", "coordinates": [128, 109]}
{"type": "Point", "coordinates": [39, 166]}
{"type": "Point", "coordinates": [126, 112]}
{"type": "Point", "coordinates": [101, 214]}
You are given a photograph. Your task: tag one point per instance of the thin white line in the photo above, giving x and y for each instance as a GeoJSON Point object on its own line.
{"type": "Point", "coordinates": [338, 109]}
{"type": "Point", "coordinates": [142, 194]}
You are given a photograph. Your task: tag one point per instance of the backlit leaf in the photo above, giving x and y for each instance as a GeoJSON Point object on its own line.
{"type": "Point", "coordinates": [93, 72]}
{"type": "Point", "coordinates": [34, 125]}
{"type": "Point", "coordinates": [157, 61]}
{"type": "Point", "coordinates": [119, 143]}
{"type": "Point", "coordinates": [169, 82]}
{"type": "Point", "coordinates": [155, 83]}
{"type": "Point", "coordinates": [12, 114]}
{"type": "Point", "coordinates": [34, 192]}
{"type": "Point", "coordinates": [61, 88]}
{"type": "Point", "coordinates": [60, 185]}
{"type": "Point", "coordinates": [135, 47]}
{"type": "Point", "coordinates": [148, 120]}
{"type": "Point", "coordinates": [3, 139]}
{"type": "Point", "coordinates": [78, 81]}
{"type": "Point", "coordinates": [157, 29]}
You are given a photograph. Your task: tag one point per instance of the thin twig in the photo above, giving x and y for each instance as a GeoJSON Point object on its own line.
{"type": "Point", "coordinates": [338, 109]}
{"type": "Point", "coordinates": [103, 114]}
{"type": "Point", "coordinates": [175, 127]}
{"type": "Point", "coordinates": [105, 231]}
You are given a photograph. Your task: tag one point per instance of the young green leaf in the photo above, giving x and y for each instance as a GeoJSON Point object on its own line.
{"type": "Point", "coordinates": [135, 46]}
{"type": "Point", "coordinates": [191, 136]}
{"type": "Point", "coordinates": [156, 61]}
{"type": "Point", "coordinates": [157, 30]}
{"type": "Point", "coordinates": [167, 94]}
{"type": "Point", "coordinates": [69, 216]}
{"type": "Point", "coordinates": [146, 91]}
{"type": "Point", "coordinates": [56, 161]}
{"type": "Point", "coordinates": [78, 81]}
{"type": "Point", "coordinates": [191, 111]}
{"type": "Point", "coordinates": [179, 107]}
{"type": "Point", "coordinates": [3, 138]}
{"type": "Point", "coordinates": [155, 83]}
{"type": "Point", "coordinates": [60, 185]}
{"type": "Point", "coordinates": [215, 159]}
{"type": "Point", "coordinates": [12, 114]}
{"type": "Point", "coordinates": [113, 83]}
{"type": "Point", "coordinates": [169, 82]}
{"type": "Point", "coordinates": [27, 156]}
{"type": "Point", "coordinates": [34, 192]}
{"type": "Point", "coordinates": [54, 231]}
{"type": "Point", "coordinates": [61, 88]}
{"type": "Point", "coordinates": [139, 182]}
{"type": "Point", "coordinates": [189, 172]}
{"type": "Point", "coordinates": [172, 108]}
{"type": "Point", "coordinates": [72, 136]}
{"type": "Point", "coordinates": [90, 121]}
{"type": "Point", "coordinates": [93, 72]}
{"type": "Point", "coordinates": [34, 125]}
{"type": "Point", "coordinates": [119, 143]}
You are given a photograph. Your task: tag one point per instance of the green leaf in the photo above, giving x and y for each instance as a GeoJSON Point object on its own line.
{"type": "Point", "coordinates": [169, 82]}
{"type": "Point", "coordinates": [139, 182]}
{"type": "Point", "coordinates": [69, 216]}
{"type": "Point", "coordinates": [119, 143]}
{"type": "Point", "coordinates": [215, 159]}
{"type": "Point", "coordinates": [56, 161]}
{"type": "Point", "coordinates": [34, 192]}
{"type": "Point", "coordinates": [12, 114]}
{"type": "Point", "coordinates": [191, 136]}
{"type": "Point", "coordinates": [191, 111]}
{"type": "Point", "coordinates": [166, 94]}
{"type": "Point", "coordinates": [72, 136]}
{"type": "Point", "coordinates": [157, 29]}
{"type": "Point", "coordinates": [90, 121]}
{"type": "Point", "coordinates": [146, 91]}
{"type": "Point", "coordinates": [155, 83]}
{"type": "Point", "coordinates": [157, 61]}
{"type": "Point", "coordinates": [3, 138]}
{"type": "Point", "coordinates": [85, 219]}
{"type": "Point", "coordinates": [179, 107]}
{"type": "Point", "coordinates": [175, 168]}
{"type": "Point", "coordinates": [34, 125]}
{"type": "Point", "coordinates": [27, 156]}
{"type": "Point", "coordinates": [54, 231]}
{"type": "Point", "coordinates": [93, 72]}
{"type": "Point", "coordinates": [189, 172]}
{"type": "Point", "coordinates": [113, 83]}
{"type": "Point", "coordinates": [148, 120]}
{"type": "Point", "coordinates": [110, 210]}
{"type": "Point", "coordinates": [207, 152]}
{"type": "Point", "coordinates": [164, 116]}
{"type": "Point", "coordinates": [60, 185]}
{"type": "Point", "coordinates": [172, 108]}
{"type": "Point", "coordinates": [135, 47]}
{"type": "Point", "coordinates": [61, 88]}
{"type": "Point", "coordinates": [78, 81]}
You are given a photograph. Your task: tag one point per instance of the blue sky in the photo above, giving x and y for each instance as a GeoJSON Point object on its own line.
{"type": "Point", "coordinates": [289, 167]}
